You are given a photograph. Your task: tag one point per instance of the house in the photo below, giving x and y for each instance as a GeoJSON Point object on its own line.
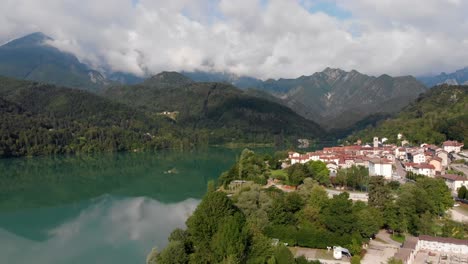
{"type": "Point", "coordinates": [380, 167]}
{"type": "Point", "coordinates": [437, 163]}
{"type": "Point", "coordinates": [400, 153]}
{"type": "Point", "coordinates": [444, 156]}
{"type": "Point", "coordinates": [452, 146]}
{"type": "Point", "coordinates": [418, 157]}
{"type": "Point", "coordinates": [454, 182]}
{"type": "Point", "coordinates": [424, 169]}
{"type": "Point", "coordinates": [409, 167]}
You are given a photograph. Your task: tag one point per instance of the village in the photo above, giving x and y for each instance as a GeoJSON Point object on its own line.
{"type": "Point", "coordinates": [394, 162]}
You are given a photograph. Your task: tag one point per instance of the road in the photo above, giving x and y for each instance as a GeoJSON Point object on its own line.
{"type": "Point", "coordinates": [460, 167]}
{"type": "Point", "coordinates": [355, 196]}
{"type": "Point", "coordinates": [458, 215]}
{"type": "Point", "coordinates": [400, 171]}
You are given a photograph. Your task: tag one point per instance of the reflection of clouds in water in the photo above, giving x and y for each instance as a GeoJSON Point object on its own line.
{"type": "Point", "coordinates": [110, 231]}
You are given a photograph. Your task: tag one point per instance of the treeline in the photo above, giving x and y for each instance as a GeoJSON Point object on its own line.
{"type": "Point", "coordinates": [437, 115]}
{"type": "Point", "coordinates": [242, 228]}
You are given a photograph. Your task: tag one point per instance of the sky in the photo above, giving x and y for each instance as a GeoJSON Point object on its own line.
{"type": "Point", "coordinates": [259, 38]}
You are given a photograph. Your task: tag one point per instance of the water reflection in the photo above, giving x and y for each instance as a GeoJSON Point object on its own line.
{"type": "Point", "coordinates": [108, 230]}
{"type": "Point", "coordinates": [166, 176]}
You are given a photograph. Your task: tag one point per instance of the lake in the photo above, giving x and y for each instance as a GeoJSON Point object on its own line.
{"type": "Point", "coordinates": [106, 208]}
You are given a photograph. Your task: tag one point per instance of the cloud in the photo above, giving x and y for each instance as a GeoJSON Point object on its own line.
{"type": "Point", "coordinates": [275, 38]}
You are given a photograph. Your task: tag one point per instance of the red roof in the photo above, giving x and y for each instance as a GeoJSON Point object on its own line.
{"type": "Point", "coordinates": [447, 240]}
{"type": "Point", "coordinates": [424, 166]}
{"type": "Point", "coordinates": [454, 177]}
{"type": "Point", "coordinates": [452, 144]}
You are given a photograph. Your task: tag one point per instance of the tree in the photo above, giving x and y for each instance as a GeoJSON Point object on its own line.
{"type": "Point", "coordinates": [283, 255]}
{"type": "Point", "coordinates": [462, 192]}
{"type": "Point", "coordinates": [338, 215]}
{"type": "Point", "coordinates": [297, 173]}
{"type": "Point", "coordinates": [204, 222]}
{"type": "Point", "coordinates": [369, 221]}
{"type": "Point", "coordinates": [174, 253]}
{"type": "Point", "coordinates": [230, 241]}
{"type": "Point", "coordinates": [379, 193]}
{"type": "Point", "coordinates": [318, 171]}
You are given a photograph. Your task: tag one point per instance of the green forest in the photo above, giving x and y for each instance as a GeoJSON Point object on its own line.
{"type": "Point", "coordinates": [437, 115]}
{"type": "Point", "coordinates": [241, 227]}
{"type": "Point", "coordinates": [43, 119]}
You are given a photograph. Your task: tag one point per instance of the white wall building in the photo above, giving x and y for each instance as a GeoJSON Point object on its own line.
{"type": "Point", "coordinates": [454, 182]}
{"type": "Point", "coordinates": [380, 167]}
{"type": "Point", "coordinates": [419, 157]}
{"type": "Point", "coordinates": [452, 146]}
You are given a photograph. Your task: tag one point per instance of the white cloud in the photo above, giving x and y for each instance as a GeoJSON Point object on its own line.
{"type": "Point", "coordinates": [275, 38]}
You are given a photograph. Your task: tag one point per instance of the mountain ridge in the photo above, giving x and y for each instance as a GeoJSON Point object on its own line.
{"type": "Point", "coordinates": [337, 99]}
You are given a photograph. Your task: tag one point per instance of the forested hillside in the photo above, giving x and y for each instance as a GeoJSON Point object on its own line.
{"type": "Point", "coordinates": [438, 115]}
{"type": "Point", "coordinates": [225, 111]}
{"type": "Point", "coordinates": [39, 119]}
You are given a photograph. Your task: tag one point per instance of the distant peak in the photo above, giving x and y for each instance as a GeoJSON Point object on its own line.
{"type": "Point", "coordinates": [169, 78]}
{"type": "Point", "coordinates": [333, 73]}
{"type": "Point", "coordinates": [33, 39]}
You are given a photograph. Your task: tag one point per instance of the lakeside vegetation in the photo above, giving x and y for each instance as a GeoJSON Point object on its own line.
{"type": "Point", "coordinates": [252, 216]}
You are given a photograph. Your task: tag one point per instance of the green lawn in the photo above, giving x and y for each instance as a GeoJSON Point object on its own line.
{"type": "Point", "coordinates": [279, 174]}
{"type": "Point", "coordinates": [398, 238]}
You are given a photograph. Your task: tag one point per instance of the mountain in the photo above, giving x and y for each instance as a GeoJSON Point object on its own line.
{"type": "Point", "coordinates": [226, 112]}
{"type": "Point", "coordinates": [334, 98]}
{"type": "Point", "coordinates": [338, 99]}
{"type": "Point", "coordinates": [459, 77]}
{"type": "Point", "coordinates": [243, 82]}
{"type": "Point", "coordinates": [438, 115]}
{"type": "Point", "coordinates": [40, 119]}
{"type": "Point", "coordinates": [32, 58]}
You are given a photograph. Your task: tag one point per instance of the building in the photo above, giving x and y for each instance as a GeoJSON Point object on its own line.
{"type": "Point", "coordinates": [424, 169]}
{"type": "Point", "coordinates": [376, 142]}
{"type": "Point", "coordinates": [380, 167]}
{"type": "Point", "coordinates": [454, 182]}
{"type": "Point", "coordinates": [437, 163]}
{"type": "Point", "coordinates": [444, 156]}
{"type": "Point", "coordinates": [443, 244]}
{"type": "Point", "coordinates": [407, 253]}
{"type": "Point", "coordinates": [452, 146]}
{"type": "Point", "coordinates": [418, 157]}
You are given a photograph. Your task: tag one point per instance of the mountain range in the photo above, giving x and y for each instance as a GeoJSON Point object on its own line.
{"type": "Point", "coordinates": [334, 98]}
{"type": "Point", "coordinates": [337, 100]}
{"type": "Point", "coordinates": [459, 77]}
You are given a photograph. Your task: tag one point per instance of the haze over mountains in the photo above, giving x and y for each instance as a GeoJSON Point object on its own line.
{"type": "Point", "coordinates": [459, 77]}
{"type": "Point", "coordinates": [333, 98]}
